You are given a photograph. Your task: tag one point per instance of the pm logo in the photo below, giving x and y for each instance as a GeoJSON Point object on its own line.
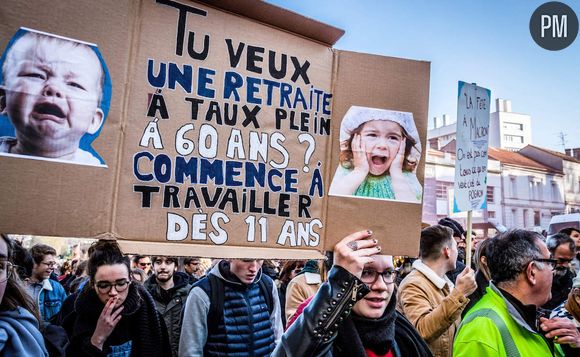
{"type": "Point", "coordinates": [554, 26]}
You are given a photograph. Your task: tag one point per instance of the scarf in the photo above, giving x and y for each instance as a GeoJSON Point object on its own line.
{"type": "Point", "coordinates": [573, 307]}
{"type": "Point", "coordinates": [358, 333]}
{"type": "Point", "coordinates": [392, 331]}
{"type": "Point", "coordinates": [151, 336]}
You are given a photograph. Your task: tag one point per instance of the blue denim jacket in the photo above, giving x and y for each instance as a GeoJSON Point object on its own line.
{"type": "Point", "coordinates": [50, 299]}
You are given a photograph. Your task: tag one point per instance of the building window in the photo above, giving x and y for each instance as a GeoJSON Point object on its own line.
{"type": "Point", "coordinates": [517, 139]}
{"type": "Point", "coordinates": [442, 189]}
{"type": "Point", "coordinates": [489, 194]}
{"type": "Point", "coordinates": [513, 186]}
{"type": "Point", "coordinates": [490, 214]}
{"type": "Point", "coordinates": [537, 218]}
{"type": "Point", "coordinates": [532, 191]}
{"type": "Point", "coordinates": [513, 126]}
{"type": "Point", "coordinates": [555, 192]}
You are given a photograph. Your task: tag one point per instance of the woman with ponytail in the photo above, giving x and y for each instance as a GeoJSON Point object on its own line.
{"type": "Point", "coordinates": [113, 316]}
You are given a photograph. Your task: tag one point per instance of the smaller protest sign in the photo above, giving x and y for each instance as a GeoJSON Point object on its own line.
{"type": "Point", "coordinates": [471, 147]}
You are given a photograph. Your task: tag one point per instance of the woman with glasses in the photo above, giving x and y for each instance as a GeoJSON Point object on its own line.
{"type": "Point", "coordinates": [353, 313]}
{"type": "Point", "coordinates": [18, 314]}
{"type": "Point", "coordinates": [113, 316]}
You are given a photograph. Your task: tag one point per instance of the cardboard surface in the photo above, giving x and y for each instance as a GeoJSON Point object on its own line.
{"type": "Point", "coordinates": [229, 221]}
{"type": "Point", "coordinates": [388, 83]}
{"type": "Point", "coordinates": [225, 252]}
{"type": "Point", "coordinates": [175, 68]}
{"type": "Point", "coordinates": [49, 198]}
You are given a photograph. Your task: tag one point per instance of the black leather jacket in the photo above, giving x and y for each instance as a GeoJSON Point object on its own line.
{"type": "Point", "coordinates": [313, 333]}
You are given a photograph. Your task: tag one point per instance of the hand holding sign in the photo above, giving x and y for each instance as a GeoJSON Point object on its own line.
{"type": "Point", "coordinates": [354, 251]}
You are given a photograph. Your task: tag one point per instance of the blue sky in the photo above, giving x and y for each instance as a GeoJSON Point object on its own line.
{"type": "Point", "coordinates": [486, 42]}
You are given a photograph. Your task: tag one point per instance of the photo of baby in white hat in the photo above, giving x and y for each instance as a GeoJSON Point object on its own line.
{"type": "Point", "coordinates": [379, 154]}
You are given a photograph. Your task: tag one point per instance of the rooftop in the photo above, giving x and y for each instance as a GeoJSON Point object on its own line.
{"type": "Point", "coordinates": [561, 155]}
{"type": "Point", "coordinates": [514, 158]}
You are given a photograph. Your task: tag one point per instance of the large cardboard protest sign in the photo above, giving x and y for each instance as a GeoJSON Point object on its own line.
{"type": "Point", "coordinates": [202, 128]}
{"type": "Point", "coordinates": [470, 185]}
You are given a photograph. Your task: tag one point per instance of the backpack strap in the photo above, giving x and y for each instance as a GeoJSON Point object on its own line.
{"type": "Point", "coordinates": [216, 306]}
{"type": "Point", "coordinates": [508, 342]}
{"type": "Point", "coordinates": [266, 286]}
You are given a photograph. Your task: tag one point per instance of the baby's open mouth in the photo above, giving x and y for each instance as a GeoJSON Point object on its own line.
{"type": "Point", "coordinates": [49, 109]}
{"type": "Point", "coordinates": [379, 160]}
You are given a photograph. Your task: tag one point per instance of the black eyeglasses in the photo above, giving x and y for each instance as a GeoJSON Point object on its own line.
{"type": "Point", "coordinates": [551, 262]}
{"type": "Point", "coordinates": [370, 276]}
{"type": "Point", "coordinates": [6, 269]}
{"type": "Point", "coordinates": [104, 286]}
{"type": "Point", "coordinates": [564, 261]}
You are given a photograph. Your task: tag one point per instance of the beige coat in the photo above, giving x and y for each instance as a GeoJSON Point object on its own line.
{"type": "Point", "coordinates": [299, 289]}
{"type": "Point", "coordinates": [435, 313]}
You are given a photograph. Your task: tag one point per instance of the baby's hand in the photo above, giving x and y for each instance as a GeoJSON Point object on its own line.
{"type": "Point", "coordinates": [396, 169]}
{"type": "Point", "coordinates": [359, 154]}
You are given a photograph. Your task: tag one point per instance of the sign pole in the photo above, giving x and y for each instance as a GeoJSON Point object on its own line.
{"type": "Point", "coordinates": [468, 239]}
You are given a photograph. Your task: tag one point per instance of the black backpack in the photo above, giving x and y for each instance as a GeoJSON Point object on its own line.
{"type": "Point", "coordinates": [216, 296]}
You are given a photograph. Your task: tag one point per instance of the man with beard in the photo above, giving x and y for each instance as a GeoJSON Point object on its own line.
{"type": "Point", "coordinates": [169, 290]}
{"type": "Point", "coordinates": [574, 233]}
{"type": "Point", "coordinates": [562, 248]}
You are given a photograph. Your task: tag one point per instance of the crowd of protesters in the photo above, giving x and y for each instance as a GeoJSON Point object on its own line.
{"type": "Point", "coordinates": [519, 296]}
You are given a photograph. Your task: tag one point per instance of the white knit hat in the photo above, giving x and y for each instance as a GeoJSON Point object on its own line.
{"type": "Point", "coordinates": [356, 116]}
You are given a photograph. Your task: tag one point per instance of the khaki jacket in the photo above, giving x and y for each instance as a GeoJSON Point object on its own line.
{"type": "Point", "coordinates": [299, 289]}
{"type": "Point", "coordinates": [434, 312]}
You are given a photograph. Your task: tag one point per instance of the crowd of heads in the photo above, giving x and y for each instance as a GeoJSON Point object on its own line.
{"type": "Point", "coordinates": [515, 260]}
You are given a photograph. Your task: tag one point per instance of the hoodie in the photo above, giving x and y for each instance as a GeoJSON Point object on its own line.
{"type": "Point", "coordinates": [19, 332]}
